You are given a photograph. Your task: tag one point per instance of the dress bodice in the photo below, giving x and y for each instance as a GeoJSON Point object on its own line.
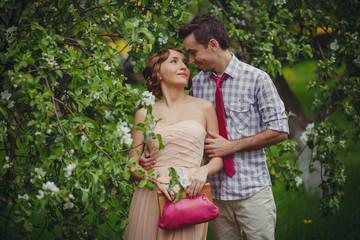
{"type": "Point", "coordinates": [184, 144]}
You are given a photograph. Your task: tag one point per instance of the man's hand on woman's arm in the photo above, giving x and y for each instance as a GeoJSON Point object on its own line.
{"type": "Point", "coordinates": [217, 146]}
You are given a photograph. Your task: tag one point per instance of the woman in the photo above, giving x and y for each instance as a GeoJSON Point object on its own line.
{"type": "Point", "coordinates": [183, 128]}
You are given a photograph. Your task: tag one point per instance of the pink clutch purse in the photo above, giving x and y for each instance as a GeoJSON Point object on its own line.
{"type": "Point", "coordinates": [187, 211]}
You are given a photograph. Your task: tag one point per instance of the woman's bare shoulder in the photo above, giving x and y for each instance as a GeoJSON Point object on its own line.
{"type": "Point", "coordinates": [202, 103]}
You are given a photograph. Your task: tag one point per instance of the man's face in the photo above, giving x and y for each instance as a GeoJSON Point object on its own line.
{"type": "Point", "coordinates": [203, 57]}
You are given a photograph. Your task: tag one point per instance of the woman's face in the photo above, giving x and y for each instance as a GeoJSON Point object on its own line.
{"type": "Point", "coordinates": [174, 70]}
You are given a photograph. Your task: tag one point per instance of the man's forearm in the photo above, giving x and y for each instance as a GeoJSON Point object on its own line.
{"type": "Point", "coordinates": [261, 140]}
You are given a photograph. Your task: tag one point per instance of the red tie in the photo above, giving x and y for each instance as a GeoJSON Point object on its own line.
{"type": "Point", "coordinates": [228, 160]}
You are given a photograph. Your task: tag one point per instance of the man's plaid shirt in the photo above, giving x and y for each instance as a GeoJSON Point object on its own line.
{"type": "Point", "coordinates": [252, 105]}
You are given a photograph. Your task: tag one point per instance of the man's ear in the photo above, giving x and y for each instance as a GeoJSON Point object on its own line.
{"type": "Point", "coordinates": [213, 44]}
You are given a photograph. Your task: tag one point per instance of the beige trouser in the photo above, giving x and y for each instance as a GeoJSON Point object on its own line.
{"type": "Point", "coordinates": [255, 216]}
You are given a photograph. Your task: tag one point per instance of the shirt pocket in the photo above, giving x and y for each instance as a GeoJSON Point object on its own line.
{"type": "Point", "coordinates": [240, 114]}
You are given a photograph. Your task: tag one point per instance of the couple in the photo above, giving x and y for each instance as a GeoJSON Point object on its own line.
{"type": "Point", "coordinates": [255, 118]}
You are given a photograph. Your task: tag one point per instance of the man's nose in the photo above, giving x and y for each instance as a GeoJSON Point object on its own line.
{"type": "Point", "coordinates": [191, 59]}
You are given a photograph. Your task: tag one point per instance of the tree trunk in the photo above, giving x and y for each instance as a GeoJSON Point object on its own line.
{"type": "Point", "coordinates": [292, 104]}
{"type": "Point", "coordinates": [297, 125]}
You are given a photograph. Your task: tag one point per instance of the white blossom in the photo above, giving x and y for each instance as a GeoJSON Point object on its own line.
{"type": "Point", "coordinates": [125, 132]}
{"type": "Point", "coordinates": [25, 196]}
{"type": "Point", "coordinates": [97, 95]}
{"type": "Point", "coordinates": [308, 130]}
{"type": "Point", "coordinates": [298, 181]}
{"type": "Point", "coordinates": [334, 45]}
{"type": "Point", "coordinates": [68, 205]}
{"type": "Point", "coordinates": [279, 2]}
{"type": "Point", "coordinates": [9, 33]}
{"type": "Point", "coordinates": [357, 60]}
{"type": "Point", "coordinates": [148, 98]}
{"type": "Point", "coordinates": [10, 30]}
{"type": "Point", "coordinates": [163, 39]}
{"type": "Point", "coordinates": [6, 95]}
{"type": "Point", "coordinates": [184, 178]}
{"type": "Point", "coordinates": [37, 133]}
{"type": "Point", "coordinates": [40, 173]}
{"type": "Point", "coordinates": [69, 168]}
{"type": "Point", "coordinates": [70, 153]}
{"type": "Point", "coordinates": [50, 186]}
{"type": "Point", "coordinates": [127, 140]}
{"type": "Point", "coordinates": [50, 60]}
{"type": "Point", "coordinates": [83, 138]}
{"type": "Point", "coordinates": [123, 129]}
{"type": "Point", "coordinates": [71, 196]}
{"type": "Point", "coordinates": [109, 18]}
{"type": "Point", "coordinates": [11, 104]}
{"type": "Point", "coordinates": [40, 195]}
{"type": "Point", "coordinates": [107, 67]}
{"type": "Point", "coordinates": [7, 163]}
{"type": "Point", "coordinates": [49, 131]}
{"type": "Point", "coordinates": [108, 115]}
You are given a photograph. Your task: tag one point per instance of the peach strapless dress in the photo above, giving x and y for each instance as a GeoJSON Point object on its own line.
{"type": "Point", "coordinates": [184, 147]}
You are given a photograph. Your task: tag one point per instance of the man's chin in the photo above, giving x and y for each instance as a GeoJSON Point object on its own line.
{"type": "Point", "coordinates": [204, 69]}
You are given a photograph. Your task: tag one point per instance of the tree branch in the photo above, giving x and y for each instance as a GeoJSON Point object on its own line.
{"type": "Point", "coordinates": [56, 113]}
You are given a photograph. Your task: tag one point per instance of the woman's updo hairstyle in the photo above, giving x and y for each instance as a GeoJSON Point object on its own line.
{"type": "Point", "coordinates": [151, 72]}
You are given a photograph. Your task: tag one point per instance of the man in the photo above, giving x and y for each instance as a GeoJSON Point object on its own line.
{"type": "Point", "coordinates": [255, 118]}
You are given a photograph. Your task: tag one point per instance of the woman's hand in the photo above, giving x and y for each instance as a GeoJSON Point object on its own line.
{"type": "Point", "coordinates": [163, 184]}
{"type": "Point", "coordinates": [197, 181]}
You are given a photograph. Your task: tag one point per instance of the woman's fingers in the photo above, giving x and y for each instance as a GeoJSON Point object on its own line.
{"type": "Point", "coordinates": [166, 193]}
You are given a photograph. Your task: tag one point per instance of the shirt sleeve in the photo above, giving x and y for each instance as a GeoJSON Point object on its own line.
{"type": "Point", "coordinates": [271, 107]}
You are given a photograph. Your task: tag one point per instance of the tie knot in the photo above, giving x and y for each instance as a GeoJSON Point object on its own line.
{"type": "Point", "coordinates": [219, 81]}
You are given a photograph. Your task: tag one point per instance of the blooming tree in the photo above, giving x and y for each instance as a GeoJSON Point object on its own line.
{"type": "Point", "coordinates": [67, 109]}
{"type": "Point", "coordinates": [67, 106]}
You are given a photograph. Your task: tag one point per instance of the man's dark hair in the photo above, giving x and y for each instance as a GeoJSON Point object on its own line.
{"type": "Point", "coordinates": [206, 27]}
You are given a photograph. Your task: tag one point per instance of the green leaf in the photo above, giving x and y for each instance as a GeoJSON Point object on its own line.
{"type": "Point", "coordinates": [87, 147]}
{"type": "Point", "coordinates": [81, 43]}
{"type": "Point", "coordinates": [148, 35]}
{"type": "Point", "coordinates": [31, 122]}
{"type": "Point", "coordinates": [150, 186]}
{"type": "Point", "coordinates": [165, 3]}
{"type": "Point", "coordinates": [45, 41]}
{"type": "Point", "coordinates": [12, 4]}
{"type": "Point", "coordinates": [142, 183]}
{"type": "Point", "coordinates": [36, 26]}
{"type": "Point", "coordinates": [161, 144]}
{"type": "Point", "coordinates": [61, 3]}
{"type": "Point", "coordinates": [132, 23]}
{"type": "Point", "coordinates": [89, 125]}
{"type": "Point", "coordinates": [172, 183]}
{"type": "Point", "coordinates": [4, 113]}
{"type": "Point", "coordinates": [85, 196]}
{"type": "Point", "coordinates": [126, 173]}
{"type": "Point", "coordinates": [59, 73]}
{"type": "Point", "coordinates": [151, 171]}
{"type": "Point", "coordinates": [277, 41]}
{"type": "Point", "coordinates": [179, 196]}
